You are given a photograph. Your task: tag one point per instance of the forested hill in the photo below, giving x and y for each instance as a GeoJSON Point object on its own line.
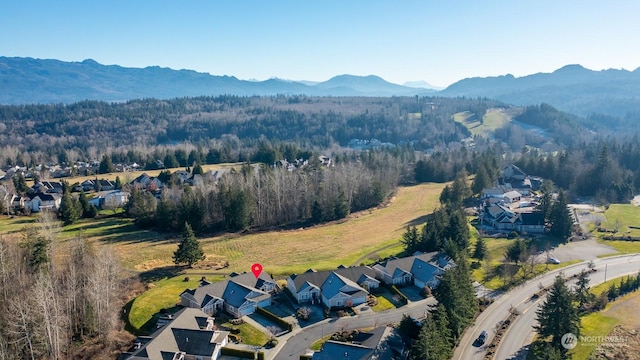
{"type": "Point", "coordinates": [36, 81]}
{"type": "Point", "coordinates": [572, 88]}
{"type": "Point", "coordinates": [317, 122]}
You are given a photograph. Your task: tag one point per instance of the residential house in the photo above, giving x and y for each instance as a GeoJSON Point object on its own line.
{"type": "Point", "coordinates": [110, 199]}
{"type": "Point", "coordinates": [345, 286]}
{"type": "Point", "coordinates": [377, 344]}
{"type": "Point", "coordinates": [42, 201]}
{"type": "Point", "coordinates": [106, 185]}
{"type": "Point", "coordinates": [500, 217]}
{"type": "Point", "coordinates": [240, 295]}
{"type": "Point", "coordinates": [47, 187]}
{"type": "Point", "coordinates": [421, 270]}
{"type": "Point", "coordinates": [187, 335]}
{"type": "Point", "coordinates": [146, 182]}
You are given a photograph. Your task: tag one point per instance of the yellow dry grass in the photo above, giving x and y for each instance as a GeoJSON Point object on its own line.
{"type": "Point", "coordinates": [319, 247]}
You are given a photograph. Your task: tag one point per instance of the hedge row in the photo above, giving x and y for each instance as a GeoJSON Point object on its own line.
{"type": "Point", "coordinates": [245, 354]}
{"type": "Point", "coordinates": [275, 318]}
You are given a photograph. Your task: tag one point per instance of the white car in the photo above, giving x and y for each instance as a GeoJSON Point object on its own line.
{"type": "Point", "coordinates": [552, 260]}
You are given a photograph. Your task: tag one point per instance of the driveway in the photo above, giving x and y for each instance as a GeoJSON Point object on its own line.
{"type": "Point", "coordinates": [581, 250]}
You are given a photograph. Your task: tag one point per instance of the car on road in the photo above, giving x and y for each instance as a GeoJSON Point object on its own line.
{"type": "Point", "coordinates": [552, 260]}
{"type": "Point", "coordinates": [482, 338]}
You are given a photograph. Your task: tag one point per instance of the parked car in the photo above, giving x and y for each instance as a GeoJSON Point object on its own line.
{"type": "Point", "coordinates": [552, 260]}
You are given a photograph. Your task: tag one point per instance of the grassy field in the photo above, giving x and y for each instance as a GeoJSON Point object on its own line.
{"type": "Point", "coordinates": [623, 311]}
{"type": "Point", "coordinates": [493, 119]}
{"type": "Point", "coordinates": [625, 215]}
{"type": "Point", "coordinates": [370, 234]}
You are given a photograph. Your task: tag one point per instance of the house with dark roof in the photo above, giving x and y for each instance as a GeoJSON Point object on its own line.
{"type": "Point", "coordinates": [344, 286]}
{"type": "Point", "coordinates": [187, 335]}
{"type": "Point", "coordinates": [421, 269]}
{"type": "Point", "coordinates": [43, 201]}
{"type": "Point", "coordinates": [500, 217]}
{"type": "Point", "coordinates": [240, 295]}
{"type": "Point", "coordinates": [377, 344]}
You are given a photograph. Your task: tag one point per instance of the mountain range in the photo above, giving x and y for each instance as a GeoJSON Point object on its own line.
{"type": "Point", "coordinates": [28, 80]}
{"type": "Point", "coordinates": [572, 88]}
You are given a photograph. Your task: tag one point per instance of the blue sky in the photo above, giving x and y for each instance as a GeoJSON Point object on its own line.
{"type": "Point", "coordinates": [436, 41]}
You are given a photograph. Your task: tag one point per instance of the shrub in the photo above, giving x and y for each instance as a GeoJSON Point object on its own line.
{"type": "Point", "coordinates": [303, 313]}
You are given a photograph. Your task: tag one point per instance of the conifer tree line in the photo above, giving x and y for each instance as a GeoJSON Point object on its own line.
{"type": "Point", "coordinates": [55, 303]}
{"type": "Point", "coordinates": [259, 196]}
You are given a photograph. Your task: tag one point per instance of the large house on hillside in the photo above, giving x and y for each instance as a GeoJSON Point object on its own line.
{"type": "Point", "coordinates": [240, 295]}
{"type": "Point", "coordinates": [500, 217]}
{"type": "Point", "coordinates": [187, 335]}
{"type": "Point", "coordinates": [333, 288]}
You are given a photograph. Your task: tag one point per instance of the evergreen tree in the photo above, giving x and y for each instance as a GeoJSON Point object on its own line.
{"type": "Point", "coordinates": [582, 289]}
{"type": "Point", "coordinates": [456, 293]}
{"type": "Point", "coordinates": [408, 327]}
{"type": "Point", "coordinates": [70, 209]}
{"type": "Point", "coordinates": [106, 166]}
{"type": "Point", "coordinates": [118, 183]}
{"type": "Point", "coordinates": [515, 251]}
{"type": "Point", "coordinates": [341, 208]}
{"type": "Point", "coordinates": [197, 170]}
{"type": "Point", "coordinates": [558, 315]}
{"type": "Point", "coordinates": [189, 250]}
{"type": "Point", "coordinates": [561, 220]}
{"type": "Point", "coordinates": [481, 181]}
{"type": "Point", "coordinates": [434, 341]}
{"type": "Point", "coordinates": [410, 239]}
{"type": "Point", "coordinates": [480, 250]}
{"type": "Point", "coordinates": [316, 213]}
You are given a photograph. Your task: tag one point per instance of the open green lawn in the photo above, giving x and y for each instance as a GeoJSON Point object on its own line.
{"type": "Point", "coordinates": [249, 334]}
{"type": "Point", "coordinates": [162, 294]}
{"type": "Point", "coordinates": [382, 305]}
{"type": "Point", "coordinates": [624, 215]}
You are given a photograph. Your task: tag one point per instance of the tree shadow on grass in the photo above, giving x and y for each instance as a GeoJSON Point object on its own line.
{"type": "Point", "coordinates": [160, 273]}
{"type": "Point", "coordinates": [418, 222]}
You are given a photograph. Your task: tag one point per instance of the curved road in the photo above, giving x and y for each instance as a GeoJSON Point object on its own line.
{"type": "Point", "coordinates": [520, 334]}
{"type": "Point", "coordinates": [301, 339]}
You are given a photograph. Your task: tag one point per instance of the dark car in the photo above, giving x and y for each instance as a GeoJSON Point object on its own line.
{"type": "Point", "coordinates": [482, 338]}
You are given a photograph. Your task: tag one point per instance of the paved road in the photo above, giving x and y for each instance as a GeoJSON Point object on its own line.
{"type": "Point", "coordinates": [519, 335]}
{"type": "Point", "coordinates": [297, 343]}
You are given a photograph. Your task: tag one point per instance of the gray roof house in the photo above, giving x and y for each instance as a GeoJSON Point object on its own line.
{"type": "Point", "coordinates": [240, 295]}
{"type": "Point", "coordinates": [420, 269]}
{"type": "Point", "coordinates": [188, 334]}
{"type": "Point", "coordinates": [377, 344]}
{"type": "Point", "coordinates": [344, 286]}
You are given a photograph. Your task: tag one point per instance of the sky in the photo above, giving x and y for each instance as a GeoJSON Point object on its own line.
{"type": "Point", "coordinates": [439, 42]}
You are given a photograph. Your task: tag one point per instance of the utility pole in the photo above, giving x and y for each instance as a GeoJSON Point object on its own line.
{"type": "Point", "coordinates": [605, 272]}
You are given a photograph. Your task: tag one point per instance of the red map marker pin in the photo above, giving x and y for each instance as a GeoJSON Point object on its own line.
{"type": "Point", "coordinates": [256, 269]}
